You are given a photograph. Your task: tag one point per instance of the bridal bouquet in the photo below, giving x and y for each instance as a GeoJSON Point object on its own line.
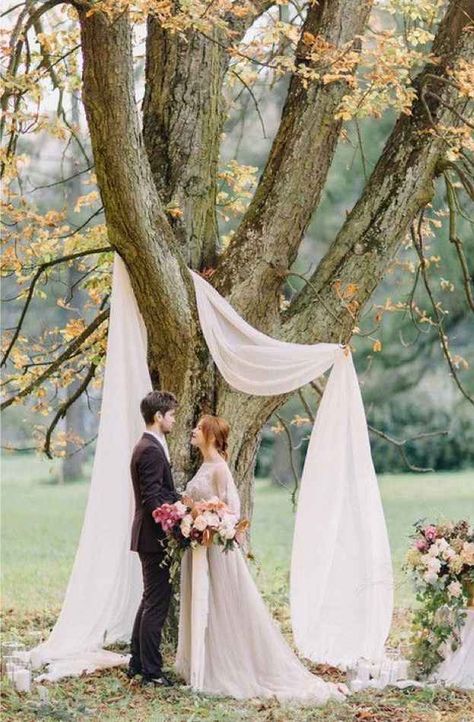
{"type": "Point", "coordinates": [189, 523]}
{"type": "Point", "coordinates": [441, 563]}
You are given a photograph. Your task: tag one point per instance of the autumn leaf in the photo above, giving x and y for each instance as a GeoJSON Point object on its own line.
{"type": "Point", "coordinates": [73, 328]}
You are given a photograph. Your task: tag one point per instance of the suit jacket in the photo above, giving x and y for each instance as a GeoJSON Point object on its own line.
{"type": "Point", "coordinates": [152, 486]}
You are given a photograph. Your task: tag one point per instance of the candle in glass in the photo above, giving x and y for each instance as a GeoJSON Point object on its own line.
{"type": "Point", "coordinates": [22, 679]}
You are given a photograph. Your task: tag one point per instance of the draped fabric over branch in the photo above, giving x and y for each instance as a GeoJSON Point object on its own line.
{"type": "Point", "coordinates": [341, 573]}
{"type": "Point", "coordinates": [105, 585]}
{"type": "Point", "coordinates": [341, 577]}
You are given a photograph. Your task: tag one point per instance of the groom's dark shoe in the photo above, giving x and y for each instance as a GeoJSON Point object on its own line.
{"type": "Point", "coordinates": [159, 681]}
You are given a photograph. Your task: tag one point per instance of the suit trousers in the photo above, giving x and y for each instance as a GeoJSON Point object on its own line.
{"type": "Point", "coordinates": [151, 615]}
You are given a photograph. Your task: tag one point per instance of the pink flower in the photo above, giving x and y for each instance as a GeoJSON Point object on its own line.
{"type": "Point", "coordinates": [421, 545]}
{"type": "Point", "coordinates": [168, 515]}
{"type": "Point", "coordinates": [430, 532]}
{"type": "Point", "coordinates": [455, 589]}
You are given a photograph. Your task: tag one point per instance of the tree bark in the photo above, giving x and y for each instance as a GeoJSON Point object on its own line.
{"type": "Point", "coordinates": [295, 173]}
{"type": "Point", "coordinates": [136, 188]}
{"type": "Point", "coordinates": [136, 222]}
{"type": "Point", "coordinates": [138, 227]}
{"type": "Point", "coordinates": [182, 123]}
{"type": "Point", "coordinates": [183, 117]}
{"type": "Point", "coordinates": [398, 188]}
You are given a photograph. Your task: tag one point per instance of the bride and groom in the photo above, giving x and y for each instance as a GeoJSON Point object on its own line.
{"type": "Point", "coordinates": [245, 653]}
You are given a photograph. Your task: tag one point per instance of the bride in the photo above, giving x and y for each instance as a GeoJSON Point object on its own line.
{"type": "Point", "coordinates": [245, 652]}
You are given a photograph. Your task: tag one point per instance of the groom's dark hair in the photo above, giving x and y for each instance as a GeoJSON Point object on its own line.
{"type": "Point", "coordinates": [155, 401]}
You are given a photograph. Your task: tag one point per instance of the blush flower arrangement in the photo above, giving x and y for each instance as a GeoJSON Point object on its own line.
{"type": "Point", "coordinates": [188, 523]}
{"type": "Point", "coordinates": [440, 561]}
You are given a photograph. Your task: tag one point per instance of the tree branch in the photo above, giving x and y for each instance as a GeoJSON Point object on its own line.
{"type": "Point", "coordinates": [295, 172]}
{"type": "Point", "coordinates": [41, 269]}
{"type": "Point", "coordinates": [453, 206]}
{"type": "Point", "coordinates": [62, 411]}
{"type": "Point", "coordinates": [137, 225]}
{"type": "Point", "coordinates": [183, 115]}
{"type": "Point", "coordinates": [60, 182]}
{"type": "Point", "coordinates": [70, 351]}
{"type": "Point", "coordinates": [401, 443]}
{"type": "Point", "coordinates": [294, 472]}
{"type": "Point", "coordinates": [399, 186]}
{"type": "Point", "coordinates": [240, 25]}
{"type": "Point", "coordinates": [398, 443]}
{"type": "Point", "coordinates": [418, 244]}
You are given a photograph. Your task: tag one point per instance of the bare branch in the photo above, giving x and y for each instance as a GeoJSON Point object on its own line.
{"type": "Point", "coordinates": [453, 110]}
{"type": "Point", "coordinates": [306, 405]}
{"type": "Point", "coordinates": [60, 182]}
{"type": "Point", "coordinates": [401, 443]}
{"type": "Point", "coordinates": [418, 244]}
{"type": "Point", "coordinates": [296, 479]}
{"type": "Point", "coordinates": [456, 241]}
{"type": "Point", "coordinates": [319, 298]}
{"type": "Point", "coordinates": [255, 101]}
{"type": "Point", "coordinates": [79, 228]}
{"type": "Point", "coordinates": [62, 411]}
{"type": "Point", "coordinates": [398, 443]}
{"type": "Point", "coordinates": [41, 269]}
{"type": "Point", "coordinates": [68, 353]}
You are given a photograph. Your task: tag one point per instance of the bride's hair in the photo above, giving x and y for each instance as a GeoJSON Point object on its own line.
{"type": "Point", "coordinates": [215, 430]}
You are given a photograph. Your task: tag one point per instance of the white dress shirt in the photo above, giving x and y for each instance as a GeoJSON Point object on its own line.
{"type": "Point", "coordinates": [162, 439]}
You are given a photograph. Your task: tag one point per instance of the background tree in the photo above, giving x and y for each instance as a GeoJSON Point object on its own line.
{"type": "Point", "coordinates": [161, 187]}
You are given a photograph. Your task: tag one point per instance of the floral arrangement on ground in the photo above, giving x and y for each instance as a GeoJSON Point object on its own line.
{"type": "Point", "coordinates": [440, 561]}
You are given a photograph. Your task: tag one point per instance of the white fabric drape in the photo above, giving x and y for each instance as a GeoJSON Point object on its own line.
{"type": "Point", "coordinates": [341, 573]}
{"type": "Point", "coordinates": [457, 670]}
{"type": "Point", "coordinates": [199, 615]}
{"type": "Point", "coordinates": [341, 579]}
{"type": "Point", "coordinates": [105, 584]}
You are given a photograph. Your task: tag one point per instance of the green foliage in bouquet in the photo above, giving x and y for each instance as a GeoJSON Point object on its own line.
{"type": "Point", "coordinates": [441, 564]}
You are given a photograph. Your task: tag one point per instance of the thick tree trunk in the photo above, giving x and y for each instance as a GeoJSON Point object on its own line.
{"type": "Point", "coordinates": [401, 184]}
{"type": "Point", "coordinates": [182, 124]}
{"type": "Point", "coordinates": [296, 170]}
{"type": "Point", "coordinates": [135, 195]}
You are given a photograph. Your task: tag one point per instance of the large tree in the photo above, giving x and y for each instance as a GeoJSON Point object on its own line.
{"type": "Point", "coordinates": [157, 171]}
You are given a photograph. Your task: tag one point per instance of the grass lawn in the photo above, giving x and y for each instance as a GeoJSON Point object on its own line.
{"type": "Point", "coordinates": [405, 497]}
{"type": "Point", "coordinates": [41, 522]}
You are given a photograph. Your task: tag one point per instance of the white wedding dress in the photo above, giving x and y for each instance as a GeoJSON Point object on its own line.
{"type": "Point", "coordinates": [245, 654]}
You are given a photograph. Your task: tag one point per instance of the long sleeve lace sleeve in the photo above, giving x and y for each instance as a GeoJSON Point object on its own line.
{"type": "Point", "coordinates": [226, 489]}
{"type": "Point", "coordinates": [219, 478]}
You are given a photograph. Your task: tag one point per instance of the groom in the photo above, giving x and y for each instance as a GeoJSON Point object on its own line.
{"type": "Point", "coordinates": [152, 485]}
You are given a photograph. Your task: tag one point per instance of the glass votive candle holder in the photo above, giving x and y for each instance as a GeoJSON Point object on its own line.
{"type": "Point", "coordinates": [9, 665]}
{"type": "Point", "coordinates": [10, 647]}
{"type": "Point", "coordinates": [22, 678]}
{"type": "Point", "coordinates": [22, 657]}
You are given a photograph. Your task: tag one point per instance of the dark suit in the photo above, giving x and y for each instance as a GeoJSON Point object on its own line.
{"type": "Point", "coordinates": [152, 485]}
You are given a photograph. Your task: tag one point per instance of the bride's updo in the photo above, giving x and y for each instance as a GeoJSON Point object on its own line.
{"type": "Point", "coordinates": [215, 430]}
